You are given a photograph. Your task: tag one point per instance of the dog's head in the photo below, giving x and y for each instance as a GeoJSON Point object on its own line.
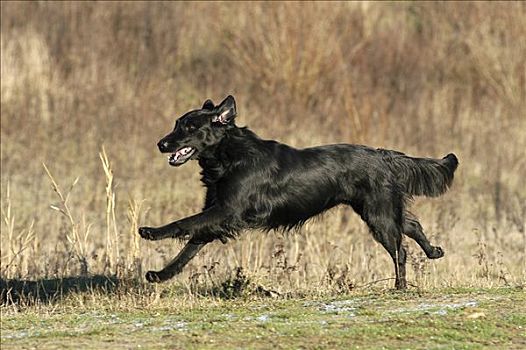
{"type": "Point", "coordinates": [198, 130]}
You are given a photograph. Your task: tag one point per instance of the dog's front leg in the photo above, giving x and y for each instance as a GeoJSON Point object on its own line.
{"type": "Point", "coordinates": [180, 228]}
{"type": "Point", "coordinates": [176, 265]}
{"type": "Point", "coordinates": [157, 233]}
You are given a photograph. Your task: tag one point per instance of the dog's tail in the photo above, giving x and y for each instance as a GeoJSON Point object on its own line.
{"type": "Point", "coordinates": [424, 176]}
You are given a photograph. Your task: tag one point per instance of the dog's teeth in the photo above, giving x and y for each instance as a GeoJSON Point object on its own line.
{"type": "Point", "coordinates": [182, 153]}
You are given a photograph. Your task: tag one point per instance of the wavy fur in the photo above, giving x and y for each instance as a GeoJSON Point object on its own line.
{"type": "Point", "coordinates": [422, 176]}
{"type": "Point", "coordinates": [253, 183]}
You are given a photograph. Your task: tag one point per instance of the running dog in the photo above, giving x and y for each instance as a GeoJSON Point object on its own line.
{"type": "Point", "coordinates": [253, 183]}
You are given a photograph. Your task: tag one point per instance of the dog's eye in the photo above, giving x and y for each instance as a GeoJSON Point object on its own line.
{"type": "Point", "coordinates": [190, 127]}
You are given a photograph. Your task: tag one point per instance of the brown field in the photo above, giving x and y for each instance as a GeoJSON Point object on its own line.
{"type": "Point", "coordinates": [88, 89]}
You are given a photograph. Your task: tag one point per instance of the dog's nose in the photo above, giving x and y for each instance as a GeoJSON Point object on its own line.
{"type": "Point", "coordinates": [163, 146]}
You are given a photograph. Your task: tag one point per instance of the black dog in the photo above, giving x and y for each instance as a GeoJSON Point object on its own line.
{"type": "Point", "coordinates": [259, 184]}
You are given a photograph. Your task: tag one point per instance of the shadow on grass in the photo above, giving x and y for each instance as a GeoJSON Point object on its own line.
{"type": "Point", "coordinates": [238, 285]}
{"type": "Point", "coordinates": [48, 290]}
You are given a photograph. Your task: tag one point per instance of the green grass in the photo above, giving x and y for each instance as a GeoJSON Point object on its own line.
{"type": "Point", "coordinates": [445, 319]}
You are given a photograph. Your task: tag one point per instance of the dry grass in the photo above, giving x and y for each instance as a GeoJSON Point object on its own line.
{"type": "Point", "coordinates": [88, 88]}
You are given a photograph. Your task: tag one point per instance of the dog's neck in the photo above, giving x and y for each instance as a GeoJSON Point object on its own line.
{"type": "Point", "coordinates": [239, 146]}
{"type": "Point", "coordinates": [236, 144]}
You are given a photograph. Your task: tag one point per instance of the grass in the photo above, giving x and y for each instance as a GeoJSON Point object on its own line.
{"type": "Point", "coordinates": [449, 318]}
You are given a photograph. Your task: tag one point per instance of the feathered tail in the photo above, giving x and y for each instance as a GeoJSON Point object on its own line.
{"type": "Point", "coordinates": [423, 176]}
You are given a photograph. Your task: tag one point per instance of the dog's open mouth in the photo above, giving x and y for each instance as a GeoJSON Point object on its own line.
{"type": "Point", "coordinates": [181, 156]}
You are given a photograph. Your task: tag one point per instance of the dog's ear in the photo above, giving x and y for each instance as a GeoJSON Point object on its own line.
{"type": "Point", "coordinates": [226, 111]}
{"type": "Point", "coordinates": [209, 105]}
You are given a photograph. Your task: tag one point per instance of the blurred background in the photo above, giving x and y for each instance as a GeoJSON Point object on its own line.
{"type": "Point", "coordinates": [88, 89]}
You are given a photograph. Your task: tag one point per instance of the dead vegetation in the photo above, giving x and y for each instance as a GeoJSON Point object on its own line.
{"type": "Point", "coordinates": [88, 89]}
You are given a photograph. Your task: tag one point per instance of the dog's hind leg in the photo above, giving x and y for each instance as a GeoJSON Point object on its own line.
{"type": "Point", "coordinates": [383, 214]}
{"type": "Point", "coordinates": [413, 229]}
{"type": "Point", "coordinates": [391, 239]}
{"type": "Point", "coordinates": [176, 265]}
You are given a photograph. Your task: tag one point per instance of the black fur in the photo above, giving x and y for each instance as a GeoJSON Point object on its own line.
{"type": "Point", "coordinates": [263, 184]}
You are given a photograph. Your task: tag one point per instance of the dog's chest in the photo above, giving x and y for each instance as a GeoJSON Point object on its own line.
{"type": "Point", "coordinates": [212, 171]}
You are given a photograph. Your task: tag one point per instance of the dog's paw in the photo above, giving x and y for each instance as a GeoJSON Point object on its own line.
{"type": "Point", "coordinates": [437, 253]}
{"type": "Point", "coordinates": [148, 233]}
{"type": "Point", "coordinates": [153, 277]}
